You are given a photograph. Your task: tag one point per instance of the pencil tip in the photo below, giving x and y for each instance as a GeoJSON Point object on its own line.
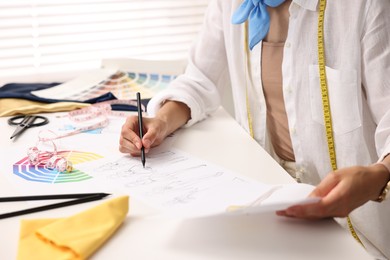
{"type": "Point", "coordinates": [102, 195]}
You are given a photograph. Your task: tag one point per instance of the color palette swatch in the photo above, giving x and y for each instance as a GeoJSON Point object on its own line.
{"type": "Point", "coordinates": [38, 173]}
{"type": "Point", "coordinates": [125, 85]}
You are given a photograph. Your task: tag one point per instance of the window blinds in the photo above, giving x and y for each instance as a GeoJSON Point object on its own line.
{"type": "Point", "coordinates": [40, 36]}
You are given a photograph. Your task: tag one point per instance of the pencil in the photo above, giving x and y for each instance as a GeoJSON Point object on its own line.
{"type": "Point", "coordinates": [51, 197]}
{"type": "Point", "coordinates": [54, 206]}
{"type": "Point", "coordinates": [140, 127]}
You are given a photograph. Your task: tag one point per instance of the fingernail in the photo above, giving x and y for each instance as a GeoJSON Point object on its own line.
{"type": "Point", "coordinates": [146, 143]}
{"type": "Point", "coordinates": [138, 145]}
{"type": "Point", "coordinates": [291, 211]}
{"type": "Point", "coordinates": [279, 213]}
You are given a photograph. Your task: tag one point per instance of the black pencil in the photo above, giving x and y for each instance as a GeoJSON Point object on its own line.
{"type": "Point", "coordinates": [140, 127]}
{"type": "Point", "coordinates": [50, 197]}
{"type": "Point", "coordinates": [54, 206]}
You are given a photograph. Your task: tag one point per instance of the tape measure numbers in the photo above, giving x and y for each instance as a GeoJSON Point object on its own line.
{"type": "Point", "coordinates": [325, 101]}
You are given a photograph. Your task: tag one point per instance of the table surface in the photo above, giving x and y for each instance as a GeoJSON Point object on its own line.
{"type": "Point", "coordinates": [144, 235]}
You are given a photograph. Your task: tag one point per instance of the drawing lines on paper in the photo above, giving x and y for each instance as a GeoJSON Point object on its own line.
{"type": "Point", "coordinates": [170, 178]}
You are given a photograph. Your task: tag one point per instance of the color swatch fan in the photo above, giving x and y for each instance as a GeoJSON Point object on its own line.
{"type": "Point", "coordinates": [39, 173]}
{"type": "Point", "coordinates": [122, 84]}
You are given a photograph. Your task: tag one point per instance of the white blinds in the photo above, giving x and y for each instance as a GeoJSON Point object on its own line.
{"type": "Point", "coordinates": [40, 36]}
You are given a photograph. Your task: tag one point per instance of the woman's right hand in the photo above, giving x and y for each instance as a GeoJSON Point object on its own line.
{"type": "Point", "coordinates": [171, 116]}
{"type": "Point", "coordinates": [155, 130]}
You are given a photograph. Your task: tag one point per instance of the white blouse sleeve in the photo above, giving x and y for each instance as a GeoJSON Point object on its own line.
{"type": "Point", "coordinates": [376, 70]}
{"type": "Point", "coordinates": [197, 87]}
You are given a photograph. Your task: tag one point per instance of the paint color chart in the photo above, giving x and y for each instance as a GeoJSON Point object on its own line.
{"type": "Point", "coordinates": [122, 84]}
{"type": "Point", "coordinates": [39, 173]}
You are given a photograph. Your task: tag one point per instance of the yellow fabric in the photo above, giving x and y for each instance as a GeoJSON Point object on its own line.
{"type": "Point", "coordinates": [14, 106]}
{"type": "Point", "coordinates": [75, 237]}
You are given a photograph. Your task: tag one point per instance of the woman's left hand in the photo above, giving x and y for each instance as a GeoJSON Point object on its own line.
{"type": "Point", "coordinates": [341, 192]}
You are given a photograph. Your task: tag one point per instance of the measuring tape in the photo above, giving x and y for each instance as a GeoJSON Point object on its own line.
{"type": "Point", "coordinates": [93, 117]}
{"type": "Point", "coordinates": [324, 94]}
{"type": "Point", "coordinates": [325, 102]}
{"type": "Point", "coordinates": [324, 86]}
{"type": "Point", "coordinates": [247, 65]}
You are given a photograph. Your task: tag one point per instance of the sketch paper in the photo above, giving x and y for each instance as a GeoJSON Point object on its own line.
{"type": "Point", "coordinates": [184, 186]}
{"type": "Point", "coordinates": [279, 197]}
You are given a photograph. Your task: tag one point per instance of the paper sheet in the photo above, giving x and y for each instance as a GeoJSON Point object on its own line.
{"type": "Point", "coordinates": [184, 186]}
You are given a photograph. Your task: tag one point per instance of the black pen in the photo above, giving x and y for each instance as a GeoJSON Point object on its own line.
{"type": "Point", "coordinates": [140, 127]}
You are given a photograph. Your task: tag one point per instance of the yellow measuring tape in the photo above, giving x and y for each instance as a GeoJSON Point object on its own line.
{"type": "Point", "coordinates": [324, 94]}
{"type": "Point", "coordinates": [247, 66]}
{"type": "Point", "coordinates": [325, 101]}
{"type": "Point", "coordinates": [324, 86]}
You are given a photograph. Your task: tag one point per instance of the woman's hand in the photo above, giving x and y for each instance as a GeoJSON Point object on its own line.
{"type": "Point", "coordinates": [342, 191]}
{"type": "Point", "coordinates": [155, 132]}
{"type": "Point", "coordinates": [170, 117]}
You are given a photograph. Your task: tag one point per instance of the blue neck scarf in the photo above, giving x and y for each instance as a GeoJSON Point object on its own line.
{"type": "Point", "coordinates": [256, 12]}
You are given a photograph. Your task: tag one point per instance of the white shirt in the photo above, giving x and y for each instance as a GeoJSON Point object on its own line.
{"type": "Point", "coordinates": [357, 48]}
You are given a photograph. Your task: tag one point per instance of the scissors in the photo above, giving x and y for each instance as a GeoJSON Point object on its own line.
{"type": "Point", "coordinates": [25, 121]}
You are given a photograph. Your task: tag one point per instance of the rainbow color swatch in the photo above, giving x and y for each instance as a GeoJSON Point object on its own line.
{"type": "Point", "coordinates": [38, 173]}
{"type": "Point", "coordinates": [125, 85]}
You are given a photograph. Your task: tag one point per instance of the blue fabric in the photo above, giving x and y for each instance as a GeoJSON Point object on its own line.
{"type": "Point", "coordinates": [23, 91]}
{"type": "Point", "coordinates": [256, 12]}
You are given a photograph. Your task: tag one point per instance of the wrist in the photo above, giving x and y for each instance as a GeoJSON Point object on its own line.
{"type": "Point", "coordinates": [383, 169]}
{"type": "Point", "coordinates": [173, 114]}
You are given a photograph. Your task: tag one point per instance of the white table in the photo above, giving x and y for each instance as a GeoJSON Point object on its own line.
{"type": "Point", "coordinates": [143, 236]}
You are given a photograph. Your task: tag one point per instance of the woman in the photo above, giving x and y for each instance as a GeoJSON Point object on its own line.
{"type": "Point", "coordinates": [277, 99]}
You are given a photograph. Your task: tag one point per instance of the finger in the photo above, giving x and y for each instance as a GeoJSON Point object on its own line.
{"type": "Point", "coordinates": [339, 202]}
{"type": "Point", "coordinates": [281, 213]}
{"type": "Point", "coordinates": [130, 132]}
{"type": "Point", "coordinates": [150, 138]}
{"type": "Point", "coordinates": [313, 210]}
{"type": "Point", "coordinates": [308, 211]}
{"type": "Point", "coordinates": [125, 146]}
{"type": "Point", "coordinates": [132, 122]}
{"type": "Point", "coordinates": [147, 141]}
{"type": "Point", "coordinates": [325, 186]}
{"type": "Point", "coordinates": [129, 140]}
{"type": "Point", "coordinates": [332, 205]}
